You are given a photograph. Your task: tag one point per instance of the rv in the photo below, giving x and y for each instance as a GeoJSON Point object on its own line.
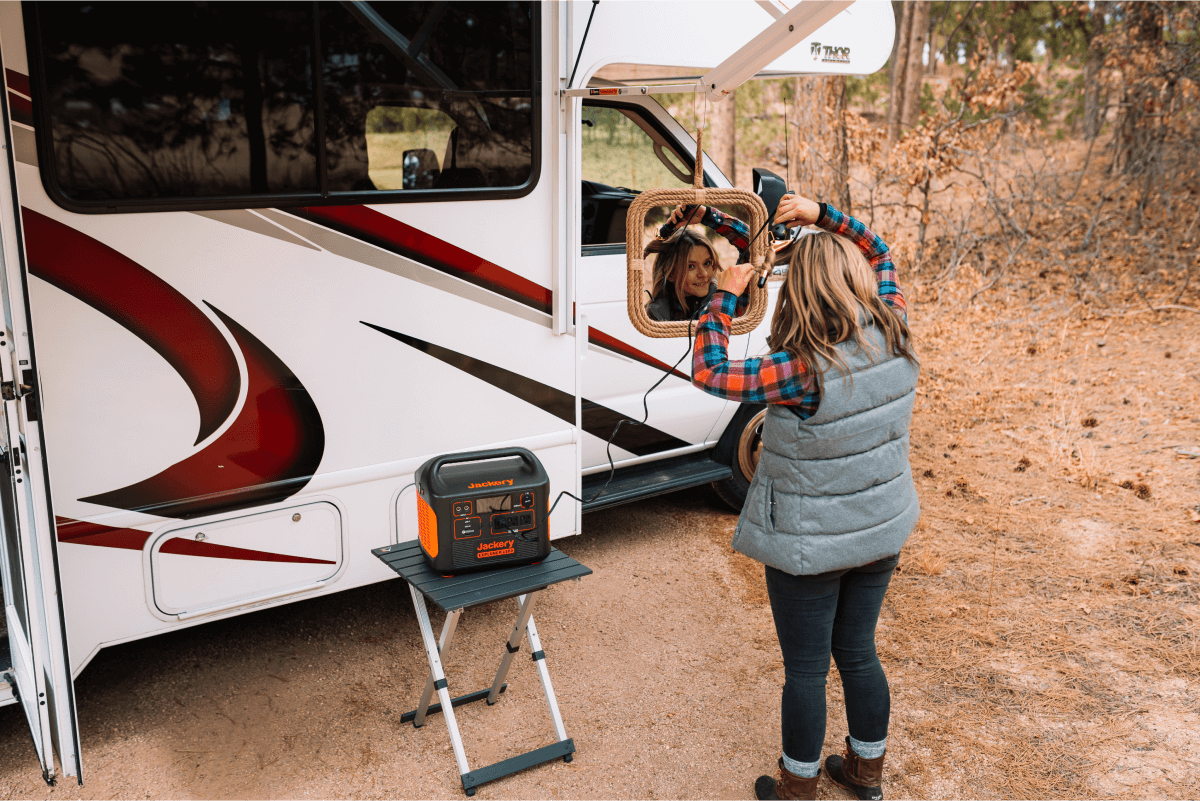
{"type": "Point", "coordinates": [261, 261]}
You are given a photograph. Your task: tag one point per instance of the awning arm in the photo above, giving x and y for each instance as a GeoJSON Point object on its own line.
{"type": "Point", "coordinates": [610, 91]}
{"type": "Point", "coordinates": [776, 39]}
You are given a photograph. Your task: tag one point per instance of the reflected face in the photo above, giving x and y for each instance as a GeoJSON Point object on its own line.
{"type": "Point", "coordinates": [698, 273]}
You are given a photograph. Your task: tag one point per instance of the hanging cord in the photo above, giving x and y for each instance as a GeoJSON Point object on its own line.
{"type": "Point", "coordinates": [579, 55]}
{"type": "Point", "coordinates": [612, 468]}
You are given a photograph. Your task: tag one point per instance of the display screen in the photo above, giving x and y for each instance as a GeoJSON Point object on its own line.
{"type": "Point", "coordinates": [500, 503]}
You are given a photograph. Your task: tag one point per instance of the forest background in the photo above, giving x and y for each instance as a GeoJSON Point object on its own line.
{"type": "Point", "coordinates": [967, 146]}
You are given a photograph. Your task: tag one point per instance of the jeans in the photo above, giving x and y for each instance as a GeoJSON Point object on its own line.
{"type": "Point", "coordinates": [815, 616]}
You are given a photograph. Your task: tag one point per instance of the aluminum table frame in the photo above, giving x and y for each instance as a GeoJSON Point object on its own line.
{"type": "Point", "coordinates": [453, 594]}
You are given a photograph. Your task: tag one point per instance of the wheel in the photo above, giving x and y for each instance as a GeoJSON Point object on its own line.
{"type": "Point", "coordinates": [568, 757]}
{"type": "Point", "coordinates": [747, 447]}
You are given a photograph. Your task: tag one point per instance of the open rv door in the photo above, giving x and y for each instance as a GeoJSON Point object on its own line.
{"type": "Point", "coordinates": [38, 672]}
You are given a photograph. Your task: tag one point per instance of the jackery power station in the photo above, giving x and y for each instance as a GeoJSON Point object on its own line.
{"type": "Point", "coordinates": [482, 509]}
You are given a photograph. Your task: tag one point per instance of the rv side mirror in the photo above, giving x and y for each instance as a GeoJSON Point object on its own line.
{"type": "Point", "coordinates": [420, 169]}
{"type": "Point", "coordinates": [771, 188]}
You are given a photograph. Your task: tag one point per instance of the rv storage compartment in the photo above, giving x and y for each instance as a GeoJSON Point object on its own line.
{"type": "Point", "coordinates": [245, 558]}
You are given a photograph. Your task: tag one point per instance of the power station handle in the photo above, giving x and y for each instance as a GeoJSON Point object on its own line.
{"type": "Point", "coordinates": [479, 456]}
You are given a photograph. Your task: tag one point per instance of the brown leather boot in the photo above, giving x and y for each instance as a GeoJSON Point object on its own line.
{"type": "Point", "coordinates": [863, 777]}
{"type": "Point", "coordinates": [785, 786]}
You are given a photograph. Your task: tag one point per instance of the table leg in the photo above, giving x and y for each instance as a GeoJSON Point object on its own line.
{"type": "Point", "coordinates": [435, 669]}
{"type": "Point", "coordinates": [443, 651]}
{"type": "Point", "coordinates": [539, 657]}
{"type": "Point", "coordinates": [513, 645]}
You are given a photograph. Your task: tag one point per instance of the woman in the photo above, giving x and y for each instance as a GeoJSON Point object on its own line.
{"type": "Point", "coordinates": [686, 263]}
{"type": "Point", "coordinates": [832, 500]}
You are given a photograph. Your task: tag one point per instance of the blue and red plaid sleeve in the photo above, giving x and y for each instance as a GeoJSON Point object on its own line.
{"type": "Point", "coordinates": [777, 377]}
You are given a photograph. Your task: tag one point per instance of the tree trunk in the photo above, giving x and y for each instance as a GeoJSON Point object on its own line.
{"type": "Point", "coordinates": [914, 73]}
{"type": "Point", "coordinates": [931, 67]}
{"type": "Point", "coordinates": [899, 65]}
{"type": "Point", "coordinates": [1093, 117]}
{"type": "Point", "coordinates": [721, 142]}
{"type": "Point", "coordinates": [821, 156]}
{"type": "Point", "coordinates": [1135, 139]}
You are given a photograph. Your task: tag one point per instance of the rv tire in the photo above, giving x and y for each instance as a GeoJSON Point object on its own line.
{"type": "Point", "coordinates": [740, 447]}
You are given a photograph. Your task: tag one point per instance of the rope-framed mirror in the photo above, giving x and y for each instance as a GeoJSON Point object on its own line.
{"type": "Point", "coordinates": [698, 194]}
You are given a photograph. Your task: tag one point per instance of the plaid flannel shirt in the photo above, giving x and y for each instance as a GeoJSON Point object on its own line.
{"type": "Point", "coordinates": [777, 377]}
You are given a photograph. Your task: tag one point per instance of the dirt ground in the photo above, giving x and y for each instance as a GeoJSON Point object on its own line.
{"type": "Point", "coordinates": [1040, 637]}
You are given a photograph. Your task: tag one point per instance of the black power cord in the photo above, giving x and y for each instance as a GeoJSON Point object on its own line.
{"type": "Point", "coordinates": [612, 468]}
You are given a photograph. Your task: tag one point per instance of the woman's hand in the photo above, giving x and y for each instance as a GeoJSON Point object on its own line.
{"type": "Point", "coordinates": [735, 279]}
{"type": "Point", "coordinates": [796, 210]}
{"type": "Point", "coordinates": [694, 216]}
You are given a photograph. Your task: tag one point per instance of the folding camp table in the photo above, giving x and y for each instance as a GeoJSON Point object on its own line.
{"type": "Point", "coordinates": [453, 594]}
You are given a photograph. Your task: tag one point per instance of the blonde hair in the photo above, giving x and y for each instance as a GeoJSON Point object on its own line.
{"type": "Point", "coordinates": [671, 257]}
{"type": "Point", "coordinates": [829, 295]}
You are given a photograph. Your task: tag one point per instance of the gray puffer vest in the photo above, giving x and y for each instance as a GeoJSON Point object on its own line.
{"type": "Point", "coordinates": [836, 490]}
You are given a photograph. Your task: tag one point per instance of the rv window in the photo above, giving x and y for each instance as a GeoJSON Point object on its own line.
{"type": "Point", "coordinates": [449, 84]}
{"type": "Point", "coordinates": [211, 105]}
{"type": "Point", "coordinates": [623, 153]}
{"type": "Point", "coordinates": [621, 148]}
{"type": "Point", "coordinates": [153, 100]}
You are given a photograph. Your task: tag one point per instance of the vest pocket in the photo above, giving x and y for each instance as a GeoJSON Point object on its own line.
{"type": "Point", "coordinates": [771, 505]}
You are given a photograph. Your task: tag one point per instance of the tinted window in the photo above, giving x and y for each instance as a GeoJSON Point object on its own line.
{"type": "Point", "coordinates": [194, 101]}
{"type": "Point", "coordinates": [174, 100]}
{"type": "Point", "coordinates": [444, 88]}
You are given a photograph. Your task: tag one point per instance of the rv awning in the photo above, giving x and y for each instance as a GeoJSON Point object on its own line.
{"type": "Point", "coordinates": [669, 41]}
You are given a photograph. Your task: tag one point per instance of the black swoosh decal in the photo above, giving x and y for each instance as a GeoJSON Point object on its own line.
{"type": "Point", "coordinates": [599, 421]}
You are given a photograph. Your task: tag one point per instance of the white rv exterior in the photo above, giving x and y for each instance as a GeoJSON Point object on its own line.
{"type": "Point", "coordinates": [227, 399]}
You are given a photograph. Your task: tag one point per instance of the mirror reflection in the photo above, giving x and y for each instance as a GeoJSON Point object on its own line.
{"type": "Point", "coordinates": [686, 247]}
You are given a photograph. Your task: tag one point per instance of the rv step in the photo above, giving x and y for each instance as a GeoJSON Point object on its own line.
{"type": "Point", "coordinates": [5, 655]}
{"type": "Point", "coordinates": [654, 478]}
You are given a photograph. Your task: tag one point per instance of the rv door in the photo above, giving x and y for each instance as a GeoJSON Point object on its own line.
{"type": "Point", "coordinates": [38, 669]}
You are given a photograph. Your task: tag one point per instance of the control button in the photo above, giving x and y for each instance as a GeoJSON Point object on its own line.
{"type": "Point", "coordinates": [467, 528]}
{"type": "Point", "coordinates": [527, 499]}
{"type": "Point", "coordinates": [462, 508]}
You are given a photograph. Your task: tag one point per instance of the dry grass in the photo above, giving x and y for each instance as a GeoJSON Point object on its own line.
{"type": "Point", "coordinates": [1041, 632]}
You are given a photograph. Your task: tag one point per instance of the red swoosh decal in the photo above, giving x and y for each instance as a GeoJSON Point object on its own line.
{"type": "Point", "coordinates": [16, 80]}
{"type": "Point", "coordinates": [186, 547]}
{"type": "Point", "coordinates": [79, 532]}
{"type": "Point", "coordinates": [142, 303]}
{"type": "Point", "coordinates": [269, 453]}
{"type": "Point", "coordinates": [21, 109]}
{"type": "Point", "coordinates": [598, 337]}
{"type": "Point", "coordinates": [390, 234]}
